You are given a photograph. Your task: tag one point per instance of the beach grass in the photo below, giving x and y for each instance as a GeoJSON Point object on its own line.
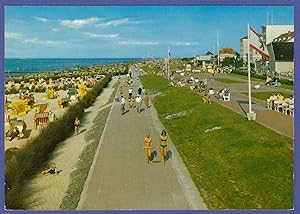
{"type": "Point", "coordinates": [235, 163]}
{"type": "Point", "coordinates": [79, 175]}
{"type": "Point", "coordinates": [229, 81]}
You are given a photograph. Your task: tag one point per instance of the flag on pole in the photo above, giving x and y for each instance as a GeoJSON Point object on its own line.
{"type": "Point", "coordinates": [256, 43]}
{"type": "Point", "coordinates": [169, 55]}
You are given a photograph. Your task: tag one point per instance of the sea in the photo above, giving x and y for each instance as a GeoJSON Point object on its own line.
{"type": "Point", "coordinates": [16, 67]}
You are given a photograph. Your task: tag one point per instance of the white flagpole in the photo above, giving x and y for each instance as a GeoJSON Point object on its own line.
{"type": "Point", "coordinates": [218, 49]}
{"type": "Point", "coordinates": [168, 62]}
{"type": "Point", "coordinates": [249, 76]}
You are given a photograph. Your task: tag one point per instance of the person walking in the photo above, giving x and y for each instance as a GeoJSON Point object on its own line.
{"type": "Point", "coordinates": [205, 84]}
{"type": "Point", "coordinates": [146, 100]}
{"type": "Point", "coordinates": [163, 145]}
{"type": "Point", "coordinates": [147, 146]}
{"type": "Point", "coordinates": [138, 101]}
{"type": "Point", "coordinates": [130, 92]}
{"type": "Point", "coordinates": [133, 101]}
{"type": "Point", "coordinates": [122, 105]}
{"type": "Point", "coordinates": [129, 102]}
{"type": "Point", "coordinates": [143, 91]}
{"type": "Point", "coordinates": [77, 123]}
{"type": "Point", "coordinates": [140, 91]}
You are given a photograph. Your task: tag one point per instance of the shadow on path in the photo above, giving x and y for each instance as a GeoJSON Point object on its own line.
{"type": "Point", "coordinates": [240, 102]}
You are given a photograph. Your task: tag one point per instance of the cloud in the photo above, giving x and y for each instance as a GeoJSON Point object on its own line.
{"type": "Point", "coordinates": [16, 20]}
{"type": "Point", "coordinates": [138, 43]}
{"type": "Point", "coordinates": [78, 23]}
{"type": "Point", "coordinates": [44, 42]}
{"type": "Point", "coordinates": [12, 35]}
{"type": "Point", "coordinates": [98, 22]}
{"type": "Point", "coordinates": [117, 22]}
{"type": "Point", "coordinates": [55, 29]}
{"type": "Point", "coordinates": [41, 19]}
{"type": "Point", "coordinates": [184, 43]}
{"type": "Point", "coordinates": [20, 37]}
{"type": "Point", "coordinates": [102, 36]}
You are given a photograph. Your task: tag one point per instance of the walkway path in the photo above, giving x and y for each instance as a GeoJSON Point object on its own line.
{"type": "Point", "coordinates": [120, 177]}
{"type": "Point", "coordinates": [279, 122]}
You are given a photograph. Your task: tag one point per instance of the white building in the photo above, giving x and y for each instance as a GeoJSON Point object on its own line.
{"type": "Point", "coordinates": [270, 32]}
{"type": "Point", "coordinates": [227, 53]}
{"type": "Point", "coordinates": [282, 54]}
{"type": "Point", "coordinates": [254, 55]}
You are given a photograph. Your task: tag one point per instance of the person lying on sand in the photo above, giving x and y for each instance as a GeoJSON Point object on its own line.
{"type": "Point", "coordinates": [51, 170]}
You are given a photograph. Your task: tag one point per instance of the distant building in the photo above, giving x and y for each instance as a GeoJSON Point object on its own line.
{"type": "Point", "coordinates": [188, 67]}
{"type": "Point", "coordinates": [282, 54]}
{"type": "Point", "coordinates": [209, 54]}
{"type": "Point", "coordinates": [227, 52]}
{"type": "Point", "coordinates": [206, 60]}
{"type": "Point", "coordinates": [254, 55]}
{"type": "Point", "coordinates": [270, 32]}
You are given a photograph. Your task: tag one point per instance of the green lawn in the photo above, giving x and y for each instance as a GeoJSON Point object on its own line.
{"type": "Point", "coordinates": [285, 86]}
{"type": "Point", "coordinates": [229, 81]}
{"type": "Point", "coordinates": [266, 95]}
{"type": "Point", "coordinates": [150, 70]}
{"type": "Point", "coordinates": [243, 165]}
{"type": "Point", "coordinates": [246, 77]}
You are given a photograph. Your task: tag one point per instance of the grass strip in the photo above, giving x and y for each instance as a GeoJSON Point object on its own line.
{"type": "Point", "coordinates": [225, 80]}
{"type": "Point", "coordinates": [241, 165]}
{"type": "Point", "coordinates": [150, 70]}
{"type": "Point", "coordinates": [262, 81]}
{"type": "Point", "coordinates": [266, 95]}
{"type": "Point", "coordinates": [79, 175]}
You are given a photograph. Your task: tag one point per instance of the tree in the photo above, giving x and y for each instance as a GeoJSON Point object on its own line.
{"type": "Point", "coordinates": [239, 63]}
{"type": "Point", "coordinates": [227, 61]}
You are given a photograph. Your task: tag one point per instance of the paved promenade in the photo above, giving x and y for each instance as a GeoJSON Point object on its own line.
{"type": "Point", "coordinates": [120, 177]}
{"type": "Point", "coordinates": [279, 122]}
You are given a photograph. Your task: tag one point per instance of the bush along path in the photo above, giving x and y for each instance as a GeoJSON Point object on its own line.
{"type": "Point", "coordinates": [21, 166]}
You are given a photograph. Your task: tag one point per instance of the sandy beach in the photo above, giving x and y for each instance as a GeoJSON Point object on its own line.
{"type": "Point", "coordinates": [28, 118]}
{"type": "Point", "coordinates": [50, 190]}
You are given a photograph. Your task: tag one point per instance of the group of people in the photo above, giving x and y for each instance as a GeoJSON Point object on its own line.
{"type": "Point", "coordinates": [272, 80]}
{"type": "Point", "coordinates": [223, 92]}
{"type": "Point", "coordinates": [135, 101]}
{"type": "Point", "coordinates": [273, 98]}
{"type": "Point", "coordinates": [163, 145]}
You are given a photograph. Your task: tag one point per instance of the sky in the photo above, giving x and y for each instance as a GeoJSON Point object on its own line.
{"type": "Point", "coordinates": [131, 31]}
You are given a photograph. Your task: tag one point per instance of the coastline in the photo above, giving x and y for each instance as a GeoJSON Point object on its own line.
{"type": "Point", "coordinates": [15, 67]}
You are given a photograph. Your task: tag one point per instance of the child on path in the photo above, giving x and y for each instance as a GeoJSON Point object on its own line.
{"type": "Point", "coordinates": [122, 105]}
{"type": "Point", "coordinates": [77, 123]}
